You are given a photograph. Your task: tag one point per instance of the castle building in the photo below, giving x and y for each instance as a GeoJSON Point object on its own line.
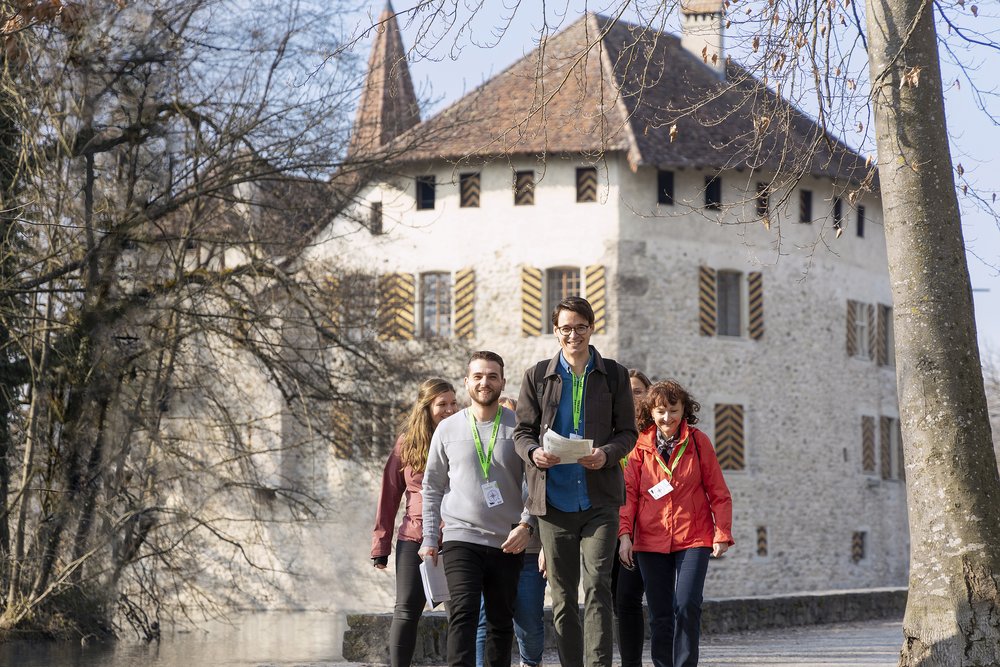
{"type": "Point", "coordinates": [649, 173]}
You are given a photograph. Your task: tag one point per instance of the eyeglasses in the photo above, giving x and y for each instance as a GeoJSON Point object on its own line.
{"type": "Point", "coordinates": [580, 330]}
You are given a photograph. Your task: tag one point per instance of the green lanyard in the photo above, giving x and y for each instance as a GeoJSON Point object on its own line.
{"type": "Point", "coordinates": [578, 381]}
{"type": "Point", "coordinates": [487, 458]}
{"type": "Point", "coordinates": [680, 453]}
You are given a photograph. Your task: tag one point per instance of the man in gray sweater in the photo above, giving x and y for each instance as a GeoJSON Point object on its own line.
{"type": "Point", "coordinates": [473, 482]}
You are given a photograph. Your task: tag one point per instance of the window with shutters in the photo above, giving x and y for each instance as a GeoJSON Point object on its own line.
{"type": "Point", "coordinates": [805, 206]}
{"type": "Point", "coordinates": [861, 222]}
{"type": "Point", "coordinates": [729, 294]}
{"type": "Point", "coordinates": [425, 192]}
{"type": "Point", "coordinates": [524, 188]}
{"type": "Point", "coordinates": [713, 193]}
{"type": "Point", "coordinates": [358, 299]}
{"type": "Point", "coordinates": [435, 305]}
{"type": "Point", "coordinates": [561, 283]}
{"type": "Point", "coordinates": [586, 184]}
{"type": "Point", "coordinates": [859, 551]}
{"type": "Point", "coordinates": [469, 190]}
{"type": "Point", "coordinates": [664, 187]}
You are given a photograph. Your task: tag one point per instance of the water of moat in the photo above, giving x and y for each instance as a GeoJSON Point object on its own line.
{"type": "Point", "coordinates": [275, 639]}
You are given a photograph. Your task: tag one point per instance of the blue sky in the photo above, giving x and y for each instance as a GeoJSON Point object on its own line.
{"type": "Point", "coordinates": [452, 57]}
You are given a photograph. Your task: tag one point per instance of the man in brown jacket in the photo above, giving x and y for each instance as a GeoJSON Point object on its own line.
{"type": "Point", "coordinates": [577, 394]}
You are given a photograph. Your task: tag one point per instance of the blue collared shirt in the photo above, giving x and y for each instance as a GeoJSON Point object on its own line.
{"type": "Point", "coordinates": [566, 484]}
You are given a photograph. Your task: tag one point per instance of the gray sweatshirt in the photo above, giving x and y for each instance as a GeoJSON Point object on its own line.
{"type": "Point", "coordinates": [453, 483]}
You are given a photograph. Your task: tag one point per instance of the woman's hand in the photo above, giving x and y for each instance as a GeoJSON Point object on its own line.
{"type": "Point", "coordinates": [719, 548]}
{"type": "Point", "coordinates": [380, 562]}
{"type": "Point", "coordinates": [625, 551]}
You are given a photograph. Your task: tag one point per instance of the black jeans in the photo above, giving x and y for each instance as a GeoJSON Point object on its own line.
{"type": "Point", "coordinates": [479, 573]}
{"type": "Point", "coordinates": [409, 604]}
{"type": "Point", "coordinates": [675, 584]}
{"type": "Point", "coordinates": [629, 588]}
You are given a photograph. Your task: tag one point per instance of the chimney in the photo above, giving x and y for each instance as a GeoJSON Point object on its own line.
{"type": "Point", "coordinates": [701, 32]}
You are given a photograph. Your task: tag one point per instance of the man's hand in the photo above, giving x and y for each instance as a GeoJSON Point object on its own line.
{"type": "Point", "coordinates": [543, 459]}
{"type": "Point", "coordinates": [625, 551]}
{"type": "Point", "coordinates": [517, 540]}
{"type": "Point", "coordinates": [429, 552]}
{"type": "Point", "coordinates": [595, 460]}
{"type": "Point", "coordinates": [541, 564]}
{"type": "Point", "coordinates": [719, 548]}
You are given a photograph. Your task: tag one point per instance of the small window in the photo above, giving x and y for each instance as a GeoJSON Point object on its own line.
{"type": "Point", "coordinates": [375, 218]}
{"type": "Point", "coordinates": [425, 193]}
{"type": "Point", "coordinates": [838, 213]}
{"type": "Point", "coordinates": [860, 345]}
{"type": "Point", "coordinates": [524, 188]}
{"type": "Point", "coordinates": [805, 206]}
{"type": "Point", "coordinates": [561, 283]}
{"type": "Point", "coordinates": [713, 193]}
{"type": "Point", "coordinates": [728, 293]}
{"type": "Point", "coordinates": [763, 200]}
{"type": "Point", "coordinates": [861, 222]}
{"type": "Point", "coordinates": [435, 305]}
{"type": "Point", "coordinates": [586, 184]}
{"type": "Point", "coordinates": [469, 190]}
{"type": "Point", "coordinates": [664, 187]}
{"type": "Point", "coordinates": [868, 445]}
{"type": "Point", "coordinates": [762, 541]}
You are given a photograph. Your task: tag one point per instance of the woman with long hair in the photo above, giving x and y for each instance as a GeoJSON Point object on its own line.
{"type": "Point", "coordinates": [626, 582]}
{"type": "Point", "coordinates": [403, 475]}
{"type": "Point", "coordinates": [677, 513]}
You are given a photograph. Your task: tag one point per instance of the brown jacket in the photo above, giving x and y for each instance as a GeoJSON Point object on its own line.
{"type": "Point", "coordinates": [608, 420]}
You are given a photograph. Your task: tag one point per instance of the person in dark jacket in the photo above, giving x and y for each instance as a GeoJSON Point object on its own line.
{"type": "Point", "coordinates": [577, 394]}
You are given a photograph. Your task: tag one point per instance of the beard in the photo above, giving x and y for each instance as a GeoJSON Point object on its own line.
{"type": "Point", "coordinates": [487, 402]}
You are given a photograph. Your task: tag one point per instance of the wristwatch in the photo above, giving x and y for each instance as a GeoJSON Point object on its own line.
{"type": "Point", "coordinates": [531, 529]}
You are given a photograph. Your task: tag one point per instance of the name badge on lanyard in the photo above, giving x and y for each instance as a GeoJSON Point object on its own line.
{"type": "Point", "coordinates": [664, 487]}
{"type": "Point", "coordinates": [491, 492]}
{"type": "Point", "coordinates": [660, 490]}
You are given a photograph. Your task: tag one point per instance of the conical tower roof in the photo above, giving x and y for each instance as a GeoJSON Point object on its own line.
{"type": "Point", "coordinates": [388, 104]}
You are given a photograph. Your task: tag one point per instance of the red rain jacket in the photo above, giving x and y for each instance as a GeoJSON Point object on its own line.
{"type": "Point", "coordinates": [697, 513]}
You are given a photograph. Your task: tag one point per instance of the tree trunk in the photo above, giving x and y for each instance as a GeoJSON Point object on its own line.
{"type": "Point", "coordinates": [953, 489]}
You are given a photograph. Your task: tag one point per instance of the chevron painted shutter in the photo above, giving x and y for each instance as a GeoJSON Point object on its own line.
{"type": "Point", "coordinates": [900, 462]}
{"type": "Point", "coordinates": [465, 302]}
{"type": "Point", "coordinates": [885, 446]}
{"type": "Point", "coordinates": [858, 546]}
{"type": "Point", "coordinates": [872, 342]}
{"type": "Point", "coordinates": [762, 541]}
{"type": "Point", "coordinates": [524, 188]}
{"type": "Point", "coordinates": [586, 184]}
{"type": "Point", "coordinates": [341, 428]}
{"type": "Point", "coordinates": [729, 440]}
{"type": "Point", "coordinates": [531, 301]}
{"type": "Point", "coordinates": [396, 306]}
{"type": "Point", "coordinates": [597, 295]}
{"type": "Point", "coordinates": [706, 301]}
{"type": "Point", "coordinates": [868, 444]}
{"type": "Point", "coordinates": [755, 284]}
{"type": "Point", "coordinates": [852, 331]}
{"type": "Point", "coordinates": [469, 190]}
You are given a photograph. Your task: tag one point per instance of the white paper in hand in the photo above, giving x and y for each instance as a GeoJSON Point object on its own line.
{"type": "Point", "coordinates": [435, 583]}
{"type": "Point", "coordinates": [568, 450]}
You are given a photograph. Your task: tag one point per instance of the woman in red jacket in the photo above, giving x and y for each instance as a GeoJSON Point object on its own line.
{"type": "Point", "coordinates": [677, 513]}
{"type": "Point", "coordinates": [403, 475]}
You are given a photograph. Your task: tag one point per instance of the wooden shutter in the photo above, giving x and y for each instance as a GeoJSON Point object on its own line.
{"type": "Point", "coordinates": [762, 541]}
{"type": "Point", "coordinates": [341, 430]}
{"type": "Point", "coordinates": [885, 446]}
{"type": "Point", "coordinates": [706, 301]}
{"type": "Point", "coordinates": [524, 188]}
{"type": "Point", "coordinates": [868, 444]}
{"type": "Point", "coordinates": [469, 190]}
{"type": "Point", "coordinates": [755, 284]}
{"type": "Point", "coordinates": [729, 436]}
{"type": "Point", "coordinates": [871, 330]}
{"type": "Point", "coordinates": [531, 301]}
{"type": "Point", "coordinates": [852, 331]}
{"type": "Point", "coordinates": [586, 184]}
{"type": "Point", "coordinates": [900, 461]}
{"type": "Point", "coordinates": [465, 301]}
{"type": "Point", "coordinates": [858, 547]}
{"type": "Point", "coordinates": [597, 296]}
{"type": "Point", "coordinates": [396, 306]}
